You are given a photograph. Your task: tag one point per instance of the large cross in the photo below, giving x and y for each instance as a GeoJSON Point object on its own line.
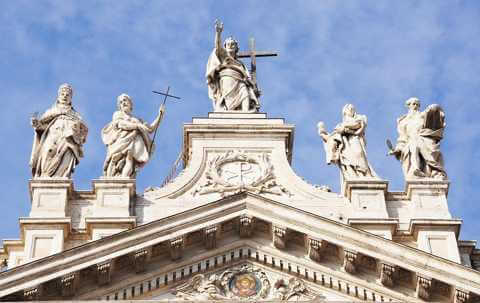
{"type": "Point", "coordinates": [166, 95]}
{"type": "Point", "coordinates": [253, 54]}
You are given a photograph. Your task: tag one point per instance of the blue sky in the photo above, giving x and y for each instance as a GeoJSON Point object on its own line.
{"type": "Point", "coordinates": [374, 54]}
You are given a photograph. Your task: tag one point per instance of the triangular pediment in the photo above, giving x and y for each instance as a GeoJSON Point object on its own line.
{"type": "Point", "coordinates": [237, 229]}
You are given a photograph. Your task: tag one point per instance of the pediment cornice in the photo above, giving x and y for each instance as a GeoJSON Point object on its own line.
{"type": "Point", "coordinates": [296, 223]}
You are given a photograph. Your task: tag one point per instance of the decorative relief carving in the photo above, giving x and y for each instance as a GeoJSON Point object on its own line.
{"type": "Point", "coordinates": [68, 285]}
{"type": "Point", "coordinates": [32, 294]}
{"type": "Point", "coordinates": [234, 171]}
{"type": "Point", "coordinates": [349, 261]}
{"type": "Point", "coordinates": [293, 290]}
{"type": "Point", "coordinates": [176, 248]}
{"type": "Point", "coordinates": [424, 286]}
{"type": "Point", "coordinates": [140, 260]}
{"type": "Point", "coordinates": [246, 226]}
{"type": "Point", "coordinates": [279, 236]}
{"type": "Point", "coordinates": [244, 283]}
{"type": "Point", "coordinates": [315, 248]}
{"type": "Point", "coordinates": [461, 296]}
{"type": "Point", "coordinates": [211, 237]}
{"type": "Point", "coordinates": [387, 274]}
{"type": "Point", "coordinates": [104, 272]}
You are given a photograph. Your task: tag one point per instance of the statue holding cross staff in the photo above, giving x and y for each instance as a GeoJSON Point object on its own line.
{"type": "Point", "coordinates": [128, 141]}
{"type": "Point", "coordinates": [230, 85]}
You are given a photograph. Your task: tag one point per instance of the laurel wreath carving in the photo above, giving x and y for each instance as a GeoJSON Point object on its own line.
{"type": "Point", "coordinates": [264, 183]}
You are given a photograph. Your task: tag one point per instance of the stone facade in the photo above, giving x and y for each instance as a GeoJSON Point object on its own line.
{"type": "Point", "coordinates": [237, 222]}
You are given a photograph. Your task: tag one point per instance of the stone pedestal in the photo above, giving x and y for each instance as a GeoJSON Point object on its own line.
{"type": "Point", "coordinates": [113, 197]}
{"type": "Point", "coordinates": [49, 197]}
{"type": "Point", "coordinates": [43, 236]}
{"type": "Point", "coordinates": [437, 236]}
{"type": "Point", "coordinates": [367, 196]}
{"type": "Point", "coordinates": [432, 225]}
{"type": "Point", "coordinates": [369, 211]}
{"type": "Point", "coordinates": [113, 207]}
{"type": "Point", "coordinates": [429, 198]}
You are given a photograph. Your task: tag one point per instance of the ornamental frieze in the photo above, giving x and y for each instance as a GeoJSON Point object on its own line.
{"type": "Point", "coordinates": [235, 171]}
{"type": "Point", "coordinates": [244, 282]}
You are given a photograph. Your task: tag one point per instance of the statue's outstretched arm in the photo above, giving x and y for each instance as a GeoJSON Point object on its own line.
{"type": "Point", "coordinates": [218, 37]}
{"type": "Point", "coordinates": [158, 119]}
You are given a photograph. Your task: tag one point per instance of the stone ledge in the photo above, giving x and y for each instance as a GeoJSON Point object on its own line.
{"type": "Point", "coordinates": [27, 223]}
{"type": "Point", "coordinates": [390, 224]}
{"type": "Point", "coordinates": [416, 224]}
{"type": "Point", "coordinates": [363, 183]}
{"type": "Point", "coordinates": [120, 222]}
{"type": "Point", "coordinates": [236, 115]}
{"type": "Point", "coordinates": [441, 185]}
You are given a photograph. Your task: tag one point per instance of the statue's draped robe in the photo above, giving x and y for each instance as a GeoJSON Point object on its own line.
{"type": "Point", "coordinates": [57, 144]}
{"type": "Point", "coordinates": [419, 144]}
{"type": "Point", "coordinates": [120, 141]}
{"type": "Point", "coordinates": [348, 150]}
{"type": "Point", "coordinates": [228, 84]}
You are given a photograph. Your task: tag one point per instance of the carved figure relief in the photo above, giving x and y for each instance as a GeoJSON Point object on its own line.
{"type": "Point", "coordinates": [235, 171]}
{"type": "Point", "coordinates": [291, 291]}
{"type": "Point", "coordinates": [244, 282]}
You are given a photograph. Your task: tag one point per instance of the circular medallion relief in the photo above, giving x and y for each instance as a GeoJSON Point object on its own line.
{"type": "Point", "coordinates": [245, 285]}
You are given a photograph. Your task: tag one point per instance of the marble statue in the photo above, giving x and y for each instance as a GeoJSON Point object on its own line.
{"type": "Point", "coordinates": [129, 146]}
{"type": "Point", "coordinates": [418, 143]}
{"type": "Point", "coordinates": [59, 136]}
{"type": "Point", "coordinates": [229, 83]}
{"type": "Point", "coordinates": [345, 146]}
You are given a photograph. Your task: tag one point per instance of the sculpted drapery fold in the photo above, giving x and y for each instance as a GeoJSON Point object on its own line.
{"type": "Point", "coordinates": [129, 146]}
{"type": "Point", "coordinates": [346, 146]}
{"type": "Point", "coordinates": [229, 83]}
{"type": "Point", "coordinates": [59, 136]}
{"type": "Point", "coordinates": [418, 143]}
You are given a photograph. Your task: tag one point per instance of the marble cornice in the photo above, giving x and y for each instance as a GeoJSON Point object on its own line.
{"type": "Point", "coordinates": [130, 241]}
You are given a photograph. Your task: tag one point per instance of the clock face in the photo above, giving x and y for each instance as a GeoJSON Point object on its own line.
{"type": "Point", "coordinates": [239, 172]}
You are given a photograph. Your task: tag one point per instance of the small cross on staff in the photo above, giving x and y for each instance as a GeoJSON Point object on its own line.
{"type": "Point", "coordinates": [164, 101]}
{"type": "Point", "coordinates": [253, 54]}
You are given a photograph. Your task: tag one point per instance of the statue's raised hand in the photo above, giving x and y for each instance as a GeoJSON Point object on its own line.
{"type": "Point", "coordinates": [218, 26]}
{"type": "Point", "coordinates": [161, 110]}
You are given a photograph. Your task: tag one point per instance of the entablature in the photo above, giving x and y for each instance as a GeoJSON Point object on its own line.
{"type": "Point", "coordinates": [340, 246]}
